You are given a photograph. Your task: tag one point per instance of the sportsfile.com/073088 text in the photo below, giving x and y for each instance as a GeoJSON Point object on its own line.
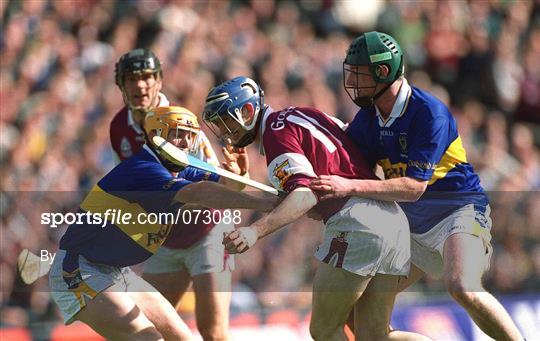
{"type": "Point", "coordinates": [119, 217]}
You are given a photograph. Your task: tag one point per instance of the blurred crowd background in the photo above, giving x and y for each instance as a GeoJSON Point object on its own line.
{"type": "Point", "coordinates": [58, 96]}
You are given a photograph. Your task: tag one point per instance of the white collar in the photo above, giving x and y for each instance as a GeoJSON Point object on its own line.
{"type": "Point", "coordinates": [163, 102]}
{"type": "Point", "coordinates": [399, 106]}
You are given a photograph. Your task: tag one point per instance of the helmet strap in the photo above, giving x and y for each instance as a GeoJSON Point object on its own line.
{"type": "Point", "coordinates": [366, 102]}
{"type": "Point", "coordinates": [382, 91]}
{"type": "Point", "coordinates": [251, 134]}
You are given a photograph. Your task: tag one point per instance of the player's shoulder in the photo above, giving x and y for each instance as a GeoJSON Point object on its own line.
{"type": "Point", "coordinates": [426, 106]}
{"type": "Point", "coordinates": [142, 165]}
{"type": "Point", "coordinates": [276, 121]}
{"type": "Point", "coordinates": [365, 118]}
{"type": "Point", "coordinates": [120, 118]}
{"type": "Point", "coordinates": [280, 118]}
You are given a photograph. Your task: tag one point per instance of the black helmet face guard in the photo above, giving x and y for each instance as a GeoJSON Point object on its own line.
{"type": "Point", "coordinates": [131, 90]}
{"type": "Point", "coordinates": [140, 63]}
{"type": "Point", "coordinates": [352, 79]}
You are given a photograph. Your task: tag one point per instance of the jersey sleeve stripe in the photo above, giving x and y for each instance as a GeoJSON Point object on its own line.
{"type": "Point", "coordinates": [454, 155]}
{"type": "Point", "coordinates": [320, 127]}
{"type": "Point", "coordinates": [316, 133]}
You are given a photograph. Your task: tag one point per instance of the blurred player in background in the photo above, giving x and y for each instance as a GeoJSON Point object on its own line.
{"type": "Point", "coordinates": [414, 138]}
{"type": "Point", "coordinates": [90, 278]}
{"type": "Point", "coordinates": [365, 247]}
{"type": "Point", "coordinates": [139, 76]}
{"type": "Point", "coordinates": [194, 253]}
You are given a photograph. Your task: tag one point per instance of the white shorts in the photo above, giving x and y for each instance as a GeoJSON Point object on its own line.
{"type": "Point", "coordinates": [208, 255]}
{"type": "Point", "coordinates": [88, 281]}
{"type": "Point", "coordinates": [367, 237]}
{"type": "Point", "coordinates": [427, 248]}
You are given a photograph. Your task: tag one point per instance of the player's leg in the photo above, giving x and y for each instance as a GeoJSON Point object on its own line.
{"type": "Point", "coordinates": [404, 282]}
{"type": "Point", "coordinates": [464, 258]}
{"type": "Point", "coordinates": [172, 285]}
{"type": "Point", "coordinates": [96, 295]}
{"type": "Point", "coordinates": [335, 292]}
{"type": "Point", "coordinates": [374, 308]}
{"type": "Point", "coordinates": [166, 272]}
{"type": "Point", "coordinates": [212, 301]}
{"type": "Point", "coordinates": [385, 248]}
{"type": "Point", "coordinates": [157, 309]}
{"type": "Point", "coordinates": [414, 276]}
{"type": "Point", "coordinates": [114, 315]}
{"type": "Point", "coordinates": [210, 267]}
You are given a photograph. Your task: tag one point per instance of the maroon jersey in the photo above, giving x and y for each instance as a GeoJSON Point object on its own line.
{"type": "Point", "coordinates": [303, 143]}
{"type": "Point", "coordinates": [127, 138]}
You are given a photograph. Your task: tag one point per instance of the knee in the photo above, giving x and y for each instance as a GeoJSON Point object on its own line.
{"type": "Point", "coordinates": [316, 332]}
{"type": "Point", "coordinates": [321, 332]}
{"type": "Point", "coordinates": [149, 333]}
{"type": "Point", "coordinates": [214, 335]}
{"type": "Point", "coordinates": [176, 332]}
{"type": "Point", "coordinates": [216, 332]}
{"type": "Point", "coordinates": [462, 292]}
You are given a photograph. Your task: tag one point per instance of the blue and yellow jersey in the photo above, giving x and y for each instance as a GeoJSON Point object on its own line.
{"type": "Point", "coordinates": [139, 188]}
{"type": "Point", "coordinates": [420, 140]}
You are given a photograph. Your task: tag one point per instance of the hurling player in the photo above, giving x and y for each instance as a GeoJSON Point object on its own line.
{"type": "Point", "coordinates": [366, 245]}
{"type": "Point", "coordinates": [90, 278]}
{"type": "Point", "coordinates": [193, 254]}
{"type": "Point", "coordinates": [414, 138]}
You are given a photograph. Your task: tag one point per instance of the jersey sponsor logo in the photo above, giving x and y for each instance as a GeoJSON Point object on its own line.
{"type": "Point", "coordinates": [125, 148]}
{"type": "Point", "coordinates": [159, 236]}
{"type": "Point", "coordinates": [281, 173]}
{"type": "Point", "coordinates": [422, 165]}
{"type": "Point", "coordinates": [389, 133]}
{"type": "Point", "coordinates": [392, 170]}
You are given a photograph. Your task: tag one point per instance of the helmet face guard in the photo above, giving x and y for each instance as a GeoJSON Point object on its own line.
{"type": "Point", "coordinates": [138, 62]}
{"type": "Point", "coordinates": [223, 111]}
{"type": "Point", "coordinates": [164, 120]}
{"type": "Point", "coordinates": [351, 80]}
{"type": "Point", "coordinates": [371, 49]}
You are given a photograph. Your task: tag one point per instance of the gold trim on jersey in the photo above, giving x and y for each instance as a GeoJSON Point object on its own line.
{"type": "Point", "coordinates": [148, 236]}
{"type": "Point", "coordinates": [453, 156]}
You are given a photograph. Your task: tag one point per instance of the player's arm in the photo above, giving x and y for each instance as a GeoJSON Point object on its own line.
{"type": "Point", "coordinates": [428, 143]}
{"type": "Point", "coordinates": [290, 171]}
{"type": "Point", "coordinates": [397, 189]}
{"type": "Point", "coordinates": [295, 205]}
{"type": "Point", "coordinates": [215, 195]}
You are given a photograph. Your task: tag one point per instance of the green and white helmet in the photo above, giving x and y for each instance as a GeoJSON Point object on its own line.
{"type": "Point", "coordinates": [372, 49]}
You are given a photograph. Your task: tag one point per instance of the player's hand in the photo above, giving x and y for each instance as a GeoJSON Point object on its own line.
{"type": "Point", "coordinates": [240, 240]}
{"type": "Point", "coordinates": [331, 186]}
{"type": "Point", "coordinates": [236, 159]}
